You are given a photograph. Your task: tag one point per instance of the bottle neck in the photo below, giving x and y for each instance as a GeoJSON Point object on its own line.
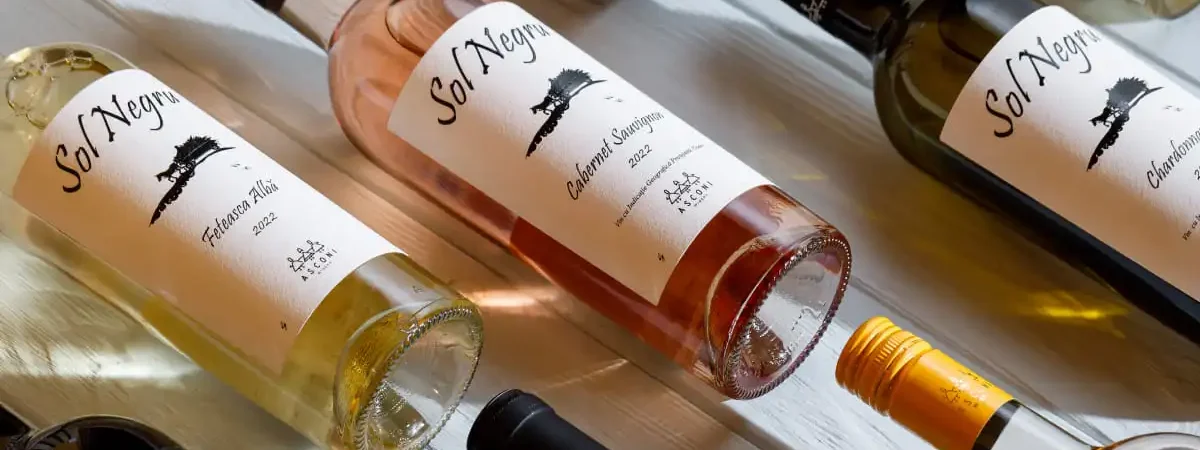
{"type": "Point", "coordinates": [952, 408]}
{"type": "Point", "coordinates": [864, 24]}
{"type": "Point", "coordinates": [315, 19]}
{"type": "Point", "coordinates": [938, 399]}
{"type": "Point", "coordinates": [1016, 427]}
{"type": "Point", "coordinates": [271, 5]}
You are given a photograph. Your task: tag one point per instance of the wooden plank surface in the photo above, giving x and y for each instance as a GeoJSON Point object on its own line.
{"type": "Point", "coordinates": [768, 86]}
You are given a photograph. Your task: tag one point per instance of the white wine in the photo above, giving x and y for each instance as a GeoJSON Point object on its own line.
{"type": "Point", "coordinates": [335, 332]}
{"type": "Point", "coordinates": [1019, 106]}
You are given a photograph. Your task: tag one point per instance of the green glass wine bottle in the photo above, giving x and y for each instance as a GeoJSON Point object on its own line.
{"type": "Point", "coordinates": [1049, 122]}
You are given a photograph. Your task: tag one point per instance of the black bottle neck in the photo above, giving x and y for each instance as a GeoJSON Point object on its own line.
{"type": "Point", "coordinates": [864, 24]}
{"type": "Point", "coordinates": [271, 5]}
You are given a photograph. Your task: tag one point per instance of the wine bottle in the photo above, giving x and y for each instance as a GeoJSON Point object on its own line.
{"type": "Point", "coordinates": [1047, 121]}
{"type": "Point", "coordinates": [902, 376]}
{"type": "Point", "coordinates": [232, 259]}
{"type": "Point", "coordinates": [1168, 8]}
{"type": "Point", "coordinates": [506, 124]}
{"type": "Point", "coordinates": [515, 420]}
{"type": "Point", "coordinates": [93, 433]}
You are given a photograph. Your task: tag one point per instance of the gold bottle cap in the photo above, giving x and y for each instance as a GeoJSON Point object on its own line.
{"type": "Point", "coordinates": [902, 376]}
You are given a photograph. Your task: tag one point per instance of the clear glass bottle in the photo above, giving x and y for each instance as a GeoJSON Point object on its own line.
{"type": "Point", "coordinates": [1037, 173]}
{"type": "Point", "coordinates": [745, 301]}
{"type": "Point", "coordinates": [950, 406]}
{"type": "Point", "coordinates": [380, 360]}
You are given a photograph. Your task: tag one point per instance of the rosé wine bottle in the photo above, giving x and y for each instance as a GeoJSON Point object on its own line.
{"type": "Point", "coordinates": [508, 125]}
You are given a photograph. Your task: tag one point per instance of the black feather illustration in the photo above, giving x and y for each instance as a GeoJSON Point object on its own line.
{"type": "Point", "coordinates": [1122, 97]}
{"type": "Point", "coordinates": [188, 156]}
{"type": "Point", "coordinates": [564, 87]}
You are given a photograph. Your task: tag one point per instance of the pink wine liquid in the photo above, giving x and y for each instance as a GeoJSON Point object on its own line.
{"type": "Point", "coordinates": [746, 302]}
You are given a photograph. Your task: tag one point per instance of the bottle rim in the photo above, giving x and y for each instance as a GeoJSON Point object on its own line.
{"type": "Point", "coordinates": [353, 424]}
{"type": "Point", "coordinates": [731, 359]}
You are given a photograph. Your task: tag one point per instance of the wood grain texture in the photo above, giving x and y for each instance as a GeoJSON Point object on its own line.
{"type": "Point", "coordinates": [778, 92]}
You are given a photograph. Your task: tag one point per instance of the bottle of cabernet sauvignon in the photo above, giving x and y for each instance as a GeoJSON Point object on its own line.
{"type": "Point", "coordinates": [236, 262]}
{"type": "Point", "coordinates": [542, 148]}
{"type": "Point", "coordinates": [1045, 119]}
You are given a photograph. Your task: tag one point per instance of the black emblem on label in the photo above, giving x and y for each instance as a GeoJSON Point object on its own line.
{"type": "Point", "coordinates": [682, 187]}
{"type": "Point", "coordinates": [188, 156]}
{"type": "Point", "coordinates": [1122, 97]}
{"type": "Point", "coordinates": [312, 260]}
{"type": "Point", "coordinates": [564, 87]}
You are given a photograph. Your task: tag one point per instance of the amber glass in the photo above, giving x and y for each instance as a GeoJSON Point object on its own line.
{"type": "Point", "coordinates": [748, 299]}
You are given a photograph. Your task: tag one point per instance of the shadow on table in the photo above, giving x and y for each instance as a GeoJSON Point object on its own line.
{"type": "Point", "coordinates": [927, 256]}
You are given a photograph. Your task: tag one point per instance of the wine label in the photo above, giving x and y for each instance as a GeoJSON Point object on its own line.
{"type": "Point", "coordinates": [167, 195]}
{"type": "Point", "coordinates": [1064, 114]}
{"type": "Point", "coordinates": [531, 120]}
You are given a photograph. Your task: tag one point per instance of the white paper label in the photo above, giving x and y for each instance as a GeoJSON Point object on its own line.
{"type": "Point", "coordinates": [184, 206]}
{"type": "Point", "coordinates": [1067, 116]}
{"type": "Point", "coordinates": [550, 133]}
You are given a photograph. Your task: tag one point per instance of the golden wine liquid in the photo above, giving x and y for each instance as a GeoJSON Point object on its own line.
{"type": "Point", "coordinates": [380, 363]}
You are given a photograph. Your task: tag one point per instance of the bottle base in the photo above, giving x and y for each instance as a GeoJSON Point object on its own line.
{"type": "Point", "coordinates": [789, 311]}
{"type": "Point", "coordinates": [404, 374]}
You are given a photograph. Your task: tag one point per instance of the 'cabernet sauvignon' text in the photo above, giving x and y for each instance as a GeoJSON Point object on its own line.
{"type": "Point", "coordinates": [587, 171]}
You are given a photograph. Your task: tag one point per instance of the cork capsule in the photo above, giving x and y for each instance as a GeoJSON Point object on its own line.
{"type": "Point", "coordinates": [902, 376]}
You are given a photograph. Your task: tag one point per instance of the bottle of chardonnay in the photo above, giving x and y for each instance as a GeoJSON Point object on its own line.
{"type": "Point", "coordinates": [232, 259]}
{"type": "Point", "coordinates": [1046, 120]}
{"type": "Point", "coordinates": [952, 407]}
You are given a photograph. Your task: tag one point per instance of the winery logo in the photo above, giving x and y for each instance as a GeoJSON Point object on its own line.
{"type": "Point", "coordinates": [188, 156]}
{"type": "Point", "coordinates": [689, 191]}
{"type": "Point", "coordinates": [683, 186]}
{"type": "Point", "coordinates": [311, 259]}
{"type": "Point", "coordinates": [1122, 97]}
{"type": "Point", "coordinates": [564, 87]}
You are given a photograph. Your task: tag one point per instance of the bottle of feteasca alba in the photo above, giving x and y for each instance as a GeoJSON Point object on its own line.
{"type": "Point", "coordinates": [1052, 124]}
{"type": "Point", "coordinates": [236, 262]}
{"type": "Point", "coordinates": [610, 195]}
{"type": "Point", "coordinates": [952, 407]}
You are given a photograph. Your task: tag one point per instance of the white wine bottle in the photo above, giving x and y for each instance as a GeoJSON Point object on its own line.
{"type": "Point", "coordinates": [952, 407]}
{"type": "Point", "coordinates": [1049, 122]}
{"type": "Point", "coordinates": [232, 259]}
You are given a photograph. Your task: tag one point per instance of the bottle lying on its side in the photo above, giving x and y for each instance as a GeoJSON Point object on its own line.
{"type": "Point", "coordinates": [231, 258]}
{"type": "Point", "coordinates": [83, 433]}
{"type": "Point", "coordinates": [1051, 123]}
{"type": "Point", "coordinates": [951, 407]}
{"type": "Point", "coordinates": [490, 112]}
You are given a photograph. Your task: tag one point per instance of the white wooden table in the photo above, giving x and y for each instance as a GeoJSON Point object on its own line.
{"type": "Point", "coordinates": [752, 74]}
